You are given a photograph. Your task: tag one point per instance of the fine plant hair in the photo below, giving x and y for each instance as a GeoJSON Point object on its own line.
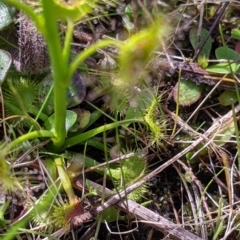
{"type": "Point", "coordinates": [32, 54]}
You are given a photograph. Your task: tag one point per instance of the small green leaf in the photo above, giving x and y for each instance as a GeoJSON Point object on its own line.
{"type": "Point", "coordinates": [190, 159]}
{"type": "Point", "coordinates": [189, 93]}
{"type": "Point", "coordinates": [223, 68]}
{"type": "Point", "coordinates": [83, 118]}
{"type": "Point", "coordinates": [227, 98]}
{"type": "Point", "coordinates": [205, 52]}
{"type": "Point", "coordinates": [225, 134]}
{"type": "Point", "coordinates": [75, 93]}
{"type": "Point", "coordinates": [235, 33]}
{"type": "Point", "coordinates": [226, 53]}
{"type": "Point", "coordinates": [71, 118]}
{"type": "Point", "coordinates": [43, 90]}
{"type": "Point", "coordinates": [5, 63]}
{"type": "Point", "coordinates": [6, 16]}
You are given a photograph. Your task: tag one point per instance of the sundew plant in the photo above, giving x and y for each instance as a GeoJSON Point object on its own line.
{"type": "Point", "coordinates": [134, 53]}
{"type": "Point", "coordinates": [136, 46]}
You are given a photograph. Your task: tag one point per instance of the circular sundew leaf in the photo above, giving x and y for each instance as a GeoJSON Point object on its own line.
{"type": "Point", "coordinates": [205, 52]}
{"type": "Point", "coordinates": [223, 68]}
{"type": "Point", "coordinates": [224, 135]}
{"type": "Point", "coordinates": [75, 94]}
{"type": "Point", "coordinates": [76, 91]}
{"type": "Point", "coordinates": [226, 53]}
{"type": "Point", "coordinates": [6, 16]}
{"type": "Point", "coordinates": [189, 93]}
{"type": "Point", "coordinates": [227, 98]}
{"type": "Point", "coordinates": [83, 118]}
{"type": "Point", "coordinates": [229, 54]}
{"type": "Point", "coordinates": [131, 170]}
{"type": "Point", "coordinates": [71, 118]}
{"type": "Point", "coordinates": [44, 88]}
{"type": "Point", "coordinates": [5, 63]}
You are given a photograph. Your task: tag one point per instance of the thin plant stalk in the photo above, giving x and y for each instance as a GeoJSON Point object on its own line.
{"type": "Point", "coordinates": [26, 137]}
{"type": "Point", "coordinates": [59, 68]}
{"type": "Point", "coordinates": [65, 180]}
{"type": "Point", "coordinates": [86, 135]}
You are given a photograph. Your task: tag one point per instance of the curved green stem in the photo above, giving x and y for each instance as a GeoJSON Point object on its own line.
{"type": "Point", "coordinates": [28, 136]}
{"type": "Point", "coordinates": [86, 135]}
{"type": "Point", "coordinates": [88, 52]}
{"type": "Point", "coordinates": [67, 42]}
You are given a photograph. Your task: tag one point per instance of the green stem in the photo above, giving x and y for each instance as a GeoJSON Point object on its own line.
{"type": "Point", "coordinates": [59, 68]}
{"type": "Point", "coordinates": [94, 143]}
{"type": "Point", "coordinates": [66, 183]}
{"type": "Point", "coordinates": [28, 136]}
{"type": "Point", "coordinates": [86, 135]}
{"type": "Point", "coordinates": [88, 52]}
{"type": "Point", "coordinates": [67, 42]}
